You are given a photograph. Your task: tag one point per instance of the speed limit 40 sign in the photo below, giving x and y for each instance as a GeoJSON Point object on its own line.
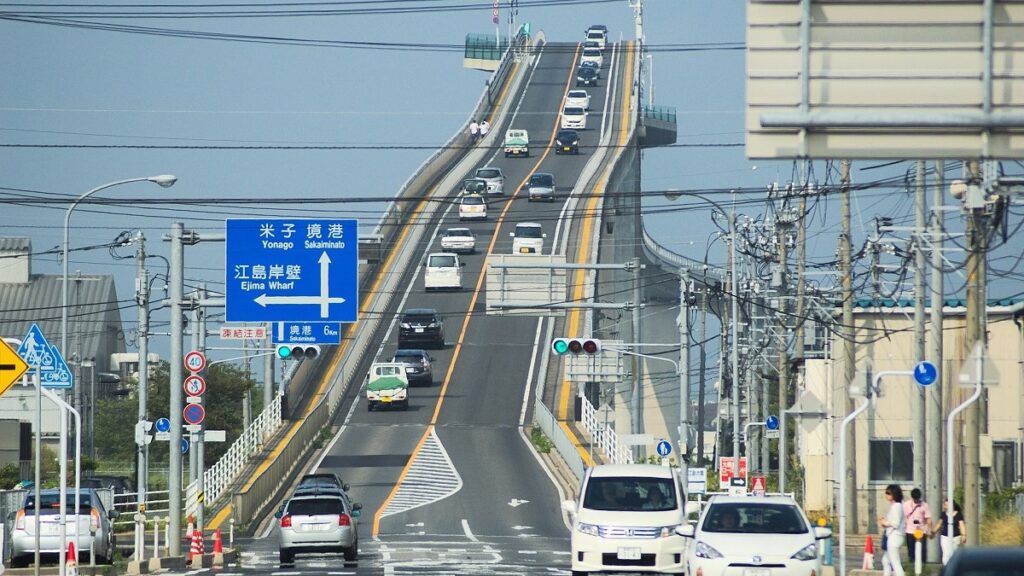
{"type": "Point", "coordinates": [195, 361]}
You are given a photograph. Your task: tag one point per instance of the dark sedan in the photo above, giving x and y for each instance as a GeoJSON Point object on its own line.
{"type": "Point", "coordinates": [986, 561]}
{"type": "Point", "coordinates": [586, 76]}
{"type": "Point", "coordinates": [567, 142]}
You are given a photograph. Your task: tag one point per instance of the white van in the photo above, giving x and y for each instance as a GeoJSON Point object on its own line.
{"type": "Point", "coordinates": [444, 271]}
{"type": "Point", "coordinates": [629, 517]}
{"type": "Point", "coordinates": [528, 238]}
{"type": "Point", "coordinates": [574, 118]}
{"type": "Point", "coordinates": [596, 35]}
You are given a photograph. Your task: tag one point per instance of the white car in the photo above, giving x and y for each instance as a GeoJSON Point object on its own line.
{"type": "Point", "coordinates": [592, 55]}
{"type": "Point", "coordinates": [574, 117]}
{"type": "Point", "coordinates": [443, 272]}
{"type": "Point", "coordinates": [599, 36]}
{"type": "Point", "coordinates": [528, 238]}
{"type": "Point", "coordinates": [767, 535]}
{"type": "Point", "coordinates": [628, 518]}
{"type": "Point", "coordinates": [459, 241]}
{"type": "Point", "coordinates": [578, 98]}
{"type": "Point", "coordinates": [472, 207]}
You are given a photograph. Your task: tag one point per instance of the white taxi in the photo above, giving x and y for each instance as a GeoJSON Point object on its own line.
{"type": "Point", "coordinates": [753, 536]}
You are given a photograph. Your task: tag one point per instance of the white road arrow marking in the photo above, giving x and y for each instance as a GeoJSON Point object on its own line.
{"type": "Point", "coordinates": [522, 527]}
{"type": "Point", "coordinates": [414, 525]}
{"type": "Point", "coordinates": [515, 502]}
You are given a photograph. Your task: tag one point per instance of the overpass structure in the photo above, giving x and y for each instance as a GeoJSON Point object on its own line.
{"type": "Point", "coordinates": [469, 437]}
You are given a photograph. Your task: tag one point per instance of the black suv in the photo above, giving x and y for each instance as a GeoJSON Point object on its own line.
{"type": "Point", "coordinates": [421, 325]}
{"type": "Point", "coordinates": [322, 479]}
{"type": "Point", "coordinates": [586, 76]}
{"type": "Point", "coordinates": [567, 141]}
{"type": "Point", "coordinates": [418, 368]}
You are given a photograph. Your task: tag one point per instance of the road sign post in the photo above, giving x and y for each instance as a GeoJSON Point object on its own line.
{"type": "Point", "coordinates": [292, 270]}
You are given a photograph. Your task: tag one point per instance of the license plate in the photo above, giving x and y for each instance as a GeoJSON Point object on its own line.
{"type": "Point", "coordinates": [524, 250]}
{"type": "Point", "coordinates": [629, 554]}
{"type": "Point", "coordinates": [50, 529]}
{"type": "Point", "coordinates": [419, 330]}
{"type": "Point", "coordinates": [410, 370]}
{"type": "Point", "coordinates": [757, 572]}
{"type": "Point", "coordinates": [566, 148]}
{"type": "Point", "coordinates": [386, 400]}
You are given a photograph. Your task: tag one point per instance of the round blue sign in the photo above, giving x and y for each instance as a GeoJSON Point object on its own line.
{"type": "Point", "coordinates": [184, 446]}
{"type": "Point", "coordinates": [925, 373]}
{"type": "Point", "coordinates": [771, 422]}
{"type": "Point", "coordinates": [163, 425]}
{"type": "Point", "coordinates": [664, 448]}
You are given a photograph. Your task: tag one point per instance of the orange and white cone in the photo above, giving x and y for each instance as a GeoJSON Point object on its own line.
{"type": "Point", "coordinates": [196, 548]}
{"type": "Point", "coordinates": [71, 563]}
{"type": "Point", "coordinates": [218, 544]}
{"type": "Point", "coordinates": [869, 554]}
{"type": "Point", "coordinates": [202, 541]}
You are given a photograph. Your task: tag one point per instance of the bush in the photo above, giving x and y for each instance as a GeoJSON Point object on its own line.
{"type": "Point", "coordinates": [540, 441]}
{"type": "Point", "coordinates": [1005, 531]}
{"type": "Point", "coordinates": [10, 475]}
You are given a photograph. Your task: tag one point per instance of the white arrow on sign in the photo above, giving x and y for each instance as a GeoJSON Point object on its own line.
{"type": "Point", "coordinates": [324, 300]}
{"type": "Point", "coordinates": [516, 502]}
{"type": "Point", "coordinates": [522, 527]}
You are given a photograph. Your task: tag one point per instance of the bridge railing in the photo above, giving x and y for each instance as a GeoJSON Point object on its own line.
{"type": "Point", "coordinates": [603, 436]}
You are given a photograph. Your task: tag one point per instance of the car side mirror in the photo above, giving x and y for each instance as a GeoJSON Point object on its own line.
{"type": "Point", "coordinates": [462, 264]}
{"type": "Point", "coordinates": [543, 235]}
{"type": "Point", "coordinates": [112, 514]}
{"type": "Point", "coordinates": [822, 533]}
{"type": "Point", "coordinates": [512, 234]}
{"type": "Point", "coordinates": [278, 514]}
{"type": "Point", "coordinates": [569, 506]}
{"type": "Point", "coordinates": [356, 513]}
{"type": "Point", "coordinates": [686, 530]}
{"type": "Point", "coordinates": [345, 487]}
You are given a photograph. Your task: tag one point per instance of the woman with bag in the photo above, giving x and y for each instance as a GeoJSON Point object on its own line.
{"type": "Point", "coordinates": [894, 525]}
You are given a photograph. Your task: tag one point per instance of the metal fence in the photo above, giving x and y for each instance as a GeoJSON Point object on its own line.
{"type": "Point", "coordinates": [485, 47]}
{"type": "Point", "coordinates": [663, 113]}
{"type": "Point", "coordinates": [603, 436]}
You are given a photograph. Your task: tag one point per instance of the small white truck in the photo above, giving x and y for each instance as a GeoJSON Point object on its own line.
{"type": "Point", "coordinates": [517, 143]}
{"type": "Point", "coordinates": [387, 385]}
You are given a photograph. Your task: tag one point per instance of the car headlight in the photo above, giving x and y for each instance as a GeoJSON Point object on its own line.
{"type": "Point", "coordinates": [667, 531]}
{"type": "Point", "coordinates": [575, 142]}
{"type": "Point", "coordinates": [702, 550]}
{"type": "Point", "coordinates": [809, 552]}
{"type": "Point", "coordinates": [588, 529]}
{"type": "Point", "coordinates": [406, 325]}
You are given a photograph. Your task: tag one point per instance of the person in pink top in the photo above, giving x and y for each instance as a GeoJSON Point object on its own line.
{"type": "Point", "coordinates": [919, 517]}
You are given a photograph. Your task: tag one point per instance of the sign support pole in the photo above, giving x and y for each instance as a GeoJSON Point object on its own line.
{"type": "Point", "coordinates": [177, 270]}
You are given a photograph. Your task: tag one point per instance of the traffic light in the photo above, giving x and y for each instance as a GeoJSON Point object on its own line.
{"type": "Point", "coordinates": [297, 351]}
{"type": "Point", "coordinates": [588, 346]}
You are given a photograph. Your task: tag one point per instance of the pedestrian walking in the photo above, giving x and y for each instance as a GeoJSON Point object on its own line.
{"type": "Point", "coordinates": [949, 543]}
{"type": "Point", "coordinates": [918, 517]}
{"type": "Point", "coordinates": [474, 131]}
{"type": "Point", "coordinates": [894, 523]}
{"type": "Point", "coordinates": [485, 127]}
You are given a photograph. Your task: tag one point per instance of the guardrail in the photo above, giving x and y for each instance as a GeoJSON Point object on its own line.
{"type": "Point", "coordinates": [250, 501]}
{"type": "Point", "coordinates": [674, 261]}
{"type": "Point", "coordinates": [603, 436]}
{"type": "Point", "coordinates": [663, 113]}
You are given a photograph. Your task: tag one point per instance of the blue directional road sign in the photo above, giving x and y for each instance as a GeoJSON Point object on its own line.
{"type": "Point", "coordinates": [163, 425]}
{"type": "Point", "coordinates": [307, 333]}
{"type": "Point", "coordinates": [292, 270]}
{"type": "Point", "coordinates": [41, 356]}
{"type": "Point", "coordinates": [925, 373]}
{"type": "Point", "coordinates": [184, 446]}
{"type": "Point", "coordinates": [664, 448]}
{"type": "Point", "coordinates": [771, 422]}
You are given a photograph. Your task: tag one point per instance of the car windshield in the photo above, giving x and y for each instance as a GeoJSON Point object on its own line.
{"type": "Point", "coordinates": [630, 494]}
{"type": "Point", "coordinates": [50, 503]}
{"type": "Point", "coordinates": [529, 232]}
{"type": "Point", "coordinates": [318, 481]}
{"type": "Point", "coordinates": [595, 35]}
{"type": "Point", "coordinates": [591, 52]}
{"type": "Point", "coordinates": [578, 94]}
{"type": "Point", "coordinates": [567, 135]}
{"type": "Point", "coordinates": [754, 518]}
{"type": "Point", "coordinates": [473, 200]}
{"type": "Point", "coordinates": [409, 357]}
{"type": "Point", "coordinates": [573, 111]}
{"type": "Point", "coordinates": [474, 185]}
{"type": "Point", "coordinates": [418, 319]}
{"type": "Point", "coordinates": [316, 507]}
{"type": "Point", "coordinates": [542, 180]}
{"type": "Point", "coordinates": [457, 232]}
{"type": "Point", "coordinates": [442, 261]}
{"type": "Point", "coordinates": [488, 173]}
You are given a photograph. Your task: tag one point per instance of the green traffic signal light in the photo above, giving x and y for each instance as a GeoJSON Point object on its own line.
{"type": "Point", "coordinates": [284, 352]}
{"type": "Point", "coordinates": [560, 346]}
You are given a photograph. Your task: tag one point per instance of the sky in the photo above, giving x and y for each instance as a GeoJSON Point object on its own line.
{"type": "Point", "coordinates": [79, 87]}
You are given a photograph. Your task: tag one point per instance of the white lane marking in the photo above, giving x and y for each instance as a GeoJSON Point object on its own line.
{"type": "Point", "coordinates": [610, 84]}
{"type": "Point", "coordinates": [431, 477]}
{"type": "Point", "coordinates": [529, 375]}
{"type": "Point", "coordinates": [469, 533]}
{"type": "Point", "coordinates": [285, 573]}
{"type": "Point", "coordinates": [529, 552]}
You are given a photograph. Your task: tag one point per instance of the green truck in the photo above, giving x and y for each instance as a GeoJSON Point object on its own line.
{"type": "Point", "coordinates": [517, 143]}
{"type": "Point", "coordinates": [387, 386]}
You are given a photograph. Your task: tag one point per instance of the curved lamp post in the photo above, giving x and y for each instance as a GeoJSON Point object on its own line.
{"type": "Point", "coordinates": [164, 180]}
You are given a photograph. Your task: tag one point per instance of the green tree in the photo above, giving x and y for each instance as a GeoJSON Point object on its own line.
{"type": "Point", "coordinates": [226, 387]}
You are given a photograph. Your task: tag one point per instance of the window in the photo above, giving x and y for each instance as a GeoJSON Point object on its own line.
{"type": "Point", "coordinates": [1004, 464]}
{"type": "Point", "coordinates": [891, 461]}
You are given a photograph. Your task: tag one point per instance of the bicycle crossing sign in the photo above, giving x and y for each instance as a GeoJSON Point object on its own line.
{"type": "Point", "coordinates": [46, 359]}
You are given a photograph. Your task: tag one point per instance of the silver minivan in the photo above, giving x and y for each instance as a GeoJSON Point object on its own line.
{"type": "Point", "coordinates": [494, 178]}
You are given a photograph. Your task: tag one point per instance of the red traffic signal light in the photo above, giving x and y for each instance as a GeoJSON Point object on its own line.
{"type": "Point", "coordinates": [562, 346]}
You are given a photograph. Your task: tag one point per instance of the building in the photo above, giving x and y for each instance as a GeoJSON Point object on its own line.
{"type": "Point", "coordinates": [884, 437]}
{"type": "Point", "coordinates": [94, 329]}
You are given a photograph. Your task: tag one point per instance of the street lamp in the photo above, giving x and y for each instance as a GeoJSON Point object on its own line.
{"type": "Point", "coordinates": [164, 180]}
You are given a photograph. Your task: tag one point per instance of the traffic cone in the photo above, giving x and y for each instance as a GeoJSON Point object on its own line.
{"type": "Point", "coordinates": [869, 554]}
{"type": "Point", "coordinates": [218, 545]}
{"type": "Point", "coordinates": [71, 563]}
{"type": "Point", "coordinates": [202, 541]}
{"type": "Point", "coordinates": [195, 548]}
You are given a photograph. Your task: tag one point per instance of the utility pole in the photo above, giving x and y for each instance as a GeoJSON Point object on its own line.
{"type": "Point", "coordinates": [849, 333]}
{"type": "Point", "coordinates": [917, 400]}
{"type": "Point", "coordinates": [199, 445]}
{"type": "Point", "coordinates": [684, 368]}
{"type": "Point", "coordinates": [783, 290]}
{"type": "Point", "coordinates": [268, 370]}
{"type": "Point", "coordinates": [801, 310]}
{"type": "Point", "coordinates": [638, 370]}
{"type": "Point", "coordinates": [933, 407]}
{"type": "Point", "coordinates": [976, 246]}
{"type": "Point", "coordinates": [177, 274]}
{"type": "Point", "coordinates": [735, 345]}
{"type": "Point", "coordinates": [703, 374]}
{"type": "Point", "coordinates": [142, 457]}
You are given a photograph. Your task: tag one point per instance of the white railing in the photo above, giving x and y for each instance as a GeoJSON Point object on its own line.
{"type": "Point", "coordinates": [218, 477]}
{"type": "Point", "coordinates": [603, 436]}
